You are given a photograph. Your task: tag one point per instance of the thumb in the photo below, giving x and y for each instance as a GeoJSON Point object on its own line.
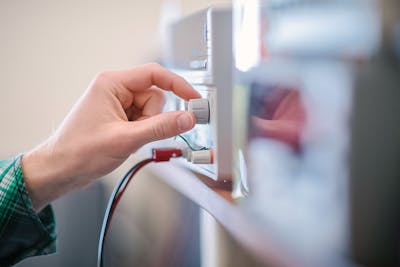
{"type": "Point", "coordinates": [163, 125]}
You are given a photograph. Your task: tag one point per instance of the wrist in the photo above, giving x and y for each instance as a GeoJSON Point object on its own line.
{"type": "Point", "coordinates": [45, 175]}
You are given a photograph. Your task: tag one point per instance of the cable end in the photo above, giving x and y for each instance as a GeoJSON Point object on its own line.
{"type": "Point", "coordinates": [165, 154]}
{"type": "Point", "coordinates": [201, 156]}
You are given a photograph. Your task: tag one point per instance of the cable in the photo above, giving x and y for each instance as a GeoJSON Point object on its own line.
{"type": "Point", "coordinates": [158, 155]}
{"type": "Point", "coordinates": [191, 146]}
{"type": "Point", "coordinates": [112, 203]}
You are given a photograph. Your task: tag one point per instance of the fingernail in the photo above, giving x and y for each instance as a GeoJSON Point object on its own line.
{"type": "Point", "coordinates": [185, 122]}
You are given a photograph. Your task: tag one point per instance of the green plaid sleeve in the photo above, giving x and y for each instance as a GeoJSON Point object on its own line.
{"type": "Point", "coordinates": [23, 232]}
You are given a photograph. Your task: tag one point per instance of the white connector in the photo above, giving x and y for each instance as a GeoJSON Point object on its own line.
{"type": "Point", "coordinates": [201, 157]}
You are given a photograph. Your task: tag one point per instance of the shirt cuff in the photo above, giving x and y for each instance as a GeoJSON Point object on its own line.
{"type": "Point", "coordinates": [23, 232]}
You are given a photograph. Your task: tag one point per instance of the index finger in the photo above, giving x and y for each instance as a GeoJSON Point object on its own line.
{"type": "Point", "coordinates": [143, 77]}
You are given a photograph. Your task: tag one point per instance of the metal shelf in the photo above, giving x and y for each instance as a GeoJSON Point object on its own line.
{"type": "Point", "coordinates": [216, 198]}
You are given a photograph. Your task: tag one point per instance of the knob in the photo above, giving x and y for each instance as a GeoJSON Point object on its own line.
{"type": "Point", "coordinates": [201, 110]}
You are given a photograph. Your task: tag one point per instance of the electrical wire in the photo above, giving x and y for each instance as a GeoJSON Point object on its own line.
{"type": "Point", "coordinates": [113, 202]}
{"type": "Point", "coordinates": [190, 145]}
{"type": "Point", "coordinates": [158, 155]}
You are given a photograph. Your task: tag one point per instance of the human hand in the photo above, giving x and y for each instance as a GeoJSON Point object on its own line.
{"type": "Point", "coordinates": [118, 113]}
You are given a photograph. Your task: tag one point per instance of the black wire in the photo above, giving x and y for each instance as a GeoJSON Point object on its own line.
{"type": "Point", "coordinates": [110, 207]}
{"type": "Point", "coordinates": [189, 145]}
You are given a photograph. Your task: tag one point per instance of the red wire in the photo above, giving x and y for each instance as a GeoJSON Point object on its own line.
{"type": "Point", "coordinates": [122, 190]}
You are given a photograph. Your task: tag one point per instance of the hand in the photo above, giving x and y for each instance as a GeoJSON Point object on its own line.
{"type": "Point", "coordinates": [118, 113]}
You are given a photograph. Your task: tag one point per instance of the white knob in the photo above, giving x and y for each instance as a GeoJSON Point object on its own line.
{"type": "Point", "coordinates": [201, 110]}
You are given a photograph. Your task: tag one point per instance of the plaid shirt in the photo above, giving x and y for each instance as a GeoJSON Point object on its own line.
{"type": "Point", "coordinates": [23, 232]}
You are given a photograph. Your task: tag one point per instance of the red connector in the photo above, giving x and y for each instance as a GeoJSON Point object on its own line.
{"type": "Point", "coordinates": [165, 154]}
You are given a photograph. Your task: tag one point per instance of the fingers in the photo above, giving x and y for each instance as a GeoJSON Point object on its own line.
{"type": "Point", "coordinates": [143, 77]}
{"type": "Point", "coordinates": [150, 102]}
{"type": "Point", "coordinates": [160, 126]}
